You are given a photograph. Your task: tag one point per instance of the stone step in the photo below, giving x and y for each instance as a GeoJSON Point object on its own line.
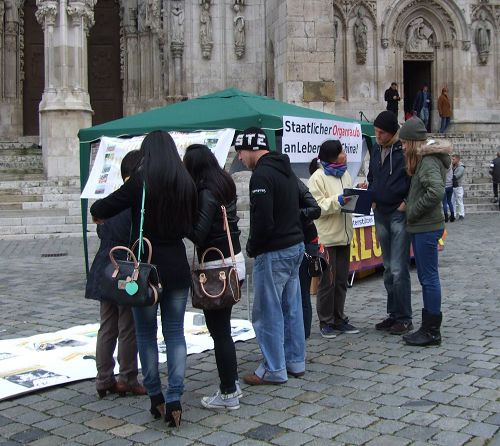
{"type": "Point", "coordinates": [21, 175]}
{"type": "Point", "coordinates": [18, 198]}
{"type": "Point", "coordinates": [39, 182]}
{"type": "Point", "coordinates": [56, 235]}
{"type": "Point", "coordinates": [480, 208]}
{"type": "Point", "coordinates": [44, 229]}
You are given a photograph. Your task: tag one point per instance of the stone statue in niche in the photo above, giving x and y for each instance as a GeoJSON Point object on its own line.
{"type": "Point", "coordinates": [177, 24]}
{"type": "Point", "coordinates": [239, 35]}
{"type": "Point", "coordinates": [11, 15]}
{"type": "Point", "coordinates": [130, 16]}
{"type": "Point", "coordinates": [482, 38]}
{"type": "Point", "coordinates": [206, 40]}
{"type": "Point", "coordinates": [360, 37]}
{"type": "Point", "coordinates": [419, 37]}
{"type": "Point", "coordinates": [148, 16]}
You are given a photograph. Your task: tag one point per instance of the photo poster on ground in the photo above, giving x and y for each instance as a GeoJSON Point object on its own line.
{"type": "Point", "coordinates": [105, 176]}
{"type": "Point", "coordinates": [49, 359]}
{"type": "Point", "coordinates": [302, 138]}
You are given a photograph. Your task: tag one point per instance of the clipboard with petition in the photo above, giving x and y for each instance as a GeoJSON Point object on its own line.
{"type": "Point", "coordinates": [360, 203]}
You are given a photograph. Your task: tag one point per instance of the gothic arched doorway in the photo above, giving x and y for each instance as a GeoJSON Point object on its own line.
{"type": "Point", "coordinates": [33, 83]}
{"type": "Point", "coordinates": [105, 84]}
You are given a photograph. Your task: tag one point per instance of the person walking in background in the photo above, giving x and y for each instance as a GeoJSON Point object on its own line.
{"type": "Point", "coordinates": [329, 177]}
{"type": "Point", "coordinates": [422, 104]}
{"type": "Point", "coordinates": [495, 176]}
{"type": "Point", "coordinates": [389, 184]}
{"type": "Point", "coordinates": [457, 182]}
{"type": "Point", "coordinates": [170, 212]}
{"type": "Point", "coordinates": [216, 188]}
{"type": "Point", "coordinates": [448, 197]}
{"type": "Point", "coordinates": [427, 162]}
{"type": "Point", "coordinates": [444, 110]}
{"type": "Point", "coordinates": [117, 322]}
{"type": "Point", "coordinates": [391, 96]}
{"type": "Point", "coordinates": [309, 211]}
{"type": "Point", "coordinates": [276, 242]}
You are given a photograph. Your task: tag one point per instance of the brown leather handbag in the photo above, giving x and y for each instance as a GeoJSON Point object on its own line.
{"type": "Point", "coordinates": [219, 287]}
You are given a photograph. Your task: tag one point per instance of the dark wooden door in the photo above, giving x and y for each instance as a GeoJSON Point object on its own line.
{"type": "Point", "coordinates": [33, 83]}
{"type": "Point", "coordinates": [416, 74]}
{"type": "Point", "coordinates": [105, 85]}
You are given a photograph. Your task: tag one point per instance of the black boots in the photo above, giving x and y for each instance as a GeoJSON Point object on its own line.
{"type": "Point", "coordinates": [452, 217]}
{"type": "Point", "coordinates": [446, 217]}
{"type": "Point", "coordinates": [429, 333]}
{"type": "Point", "coordinates": [157, 406]}
{"type": "Point", "coordinates": [173, 413]}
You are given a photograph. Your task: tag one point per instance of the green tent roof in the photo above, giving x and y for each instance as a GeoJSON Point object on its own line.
{"type": "Point", "coordinates": [229, 108]}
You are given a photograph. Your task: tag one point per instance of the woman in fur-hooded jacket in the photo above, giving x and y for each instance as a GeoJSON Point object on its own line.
{"type": "Point", "coordinates": [427, 162]}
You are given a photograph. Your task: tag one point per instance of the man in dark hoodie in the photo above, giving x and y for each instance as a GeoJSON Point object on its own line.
{"type": "Point", "coordinates": [389, 183]}
{"type": "Point", "coordinates": [276, 242]}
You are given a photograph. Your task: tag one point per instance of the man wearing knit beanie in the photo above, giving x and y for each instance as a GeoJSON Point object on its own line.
{"type": "Point", "coordinates": [389, 184]}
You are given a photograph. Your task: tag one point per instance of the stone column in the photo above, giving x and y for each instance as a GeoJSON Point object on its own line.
{"type": "Point", "coordinates": [177, 44]}
{"type": "Point", "coordinates": [2, 76]}
{"type": "Point", "coordinates": [65, 106]}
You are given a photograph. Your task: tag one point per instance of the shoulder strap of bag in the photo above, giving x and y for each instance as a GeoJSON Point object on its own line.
{"type": "Point", "coordinates": [226, 227]}
{"type": "Point", "coordinates": [141, 242]}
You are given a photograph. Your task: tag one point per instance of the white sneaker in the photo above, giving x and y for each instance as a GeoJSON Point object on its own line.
{"type": "Point", "coordinates": [219, 400]}
{"type": "Point", "coordinates": [239, 392]}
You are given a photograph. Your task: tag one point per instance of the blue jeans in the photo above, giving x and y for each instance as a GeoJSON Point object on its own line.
{"type": "Point", "coordinates": [277, 313]}
{"type": "Point", "coordinates": [425, 248]}
{"type": "Point", "coordinates": [172, 309]}
{"type": "Point", "coordinates": [424, 115]}
{"type": "Point", "coordinates": [445, 122]}
{"type": "Point", "coordinates": [395, 243]}
{"type": "Point", "coordinates": [447, 200]}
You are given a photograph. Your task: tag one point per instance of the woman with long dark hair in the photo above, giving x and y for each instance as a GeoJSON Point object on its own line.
{"type": "Point", "coordinates": [170, 210]}
{"type": "Point", "coordinates": [216, 188]}
{"type": "Point", "coordinates": [327, 183]}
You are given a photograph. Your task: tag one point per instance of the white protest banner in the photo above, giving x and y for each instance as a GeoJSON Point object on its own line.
{"type": "Point", "coordinates": [49, 359]}
{"type": "Point", "coordinates": [302, 138]}
{"type": "Point", "coordinates": [105, 175]}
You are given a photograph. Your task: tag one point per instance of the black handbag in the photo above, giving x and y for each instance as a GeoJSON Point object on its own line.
{"type": "Point", "coordinates": [219, 287]}
{"type": "Point", "coordinates": [132, 282]}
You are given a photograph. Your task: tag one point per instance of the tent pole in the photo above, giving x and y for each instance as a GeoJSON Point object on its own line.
{"type": "Point", "coordinates": [84, 173]}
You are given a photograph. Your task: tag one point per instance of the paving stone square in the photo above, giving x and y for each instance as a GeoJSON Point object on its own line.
{"type": "Point", "coordinates": [366, 389]}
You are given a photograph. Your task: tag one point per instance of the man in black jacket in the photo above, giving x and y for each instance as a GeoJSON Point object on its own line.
{"type": "Point", "coordinates": [276, 242]}
{"type": "Point", "coordinates": [495, 176]}
{"type": "Point", "coordinates": [389, 183]}
{"type": "Point", "coordinates": [391, 96]}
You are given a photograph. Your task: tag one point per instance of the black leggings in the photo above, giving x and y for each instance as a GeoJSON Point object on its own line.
{"type": "Point", "coordinates": [219, 326]}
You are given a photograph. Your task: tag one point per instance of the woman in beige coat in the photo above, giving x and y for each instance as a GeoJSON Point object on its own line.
{"type": "Point", "coordinates": [328, 180]}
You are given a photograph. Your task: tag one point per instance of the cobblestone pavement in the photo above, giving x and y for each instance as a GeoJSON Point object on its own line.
{"type": "Point", "coordinates": [359, 389]}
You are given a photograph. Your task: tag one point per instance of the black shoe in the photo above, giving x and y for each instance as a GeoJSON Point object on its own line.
{"type": "Point", "coordinates": [401, 328]}
{"type": "Point", "coordinates": [157, 406]}
{"type": "Point", "coordinates": [173, 413]}
{"type": "Point", "coordinates": [452, 217]}
{"type": "Point", "coordinates": [386, 324]}
{"type": "Point", "coordinates": [446, 218]}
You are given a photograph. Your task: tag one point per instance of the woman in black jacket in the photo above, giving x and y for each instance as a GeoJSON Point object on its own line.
{"type": "Point", "coordinates": [215, 188]}
{"type": "Point", "coordinates": [170, 210]}
{"type": "Point", "coordinates": [309, 211]}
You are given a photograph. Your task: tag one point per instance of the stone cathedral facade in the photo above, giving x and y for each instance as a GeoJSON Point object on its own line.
{"type": "Point", "coordinates": [69, 64]}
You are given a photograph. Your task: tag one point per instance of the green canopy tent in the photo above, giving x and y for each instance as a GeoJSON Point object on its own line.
{"type": "Point", "coordinates": [229, 108]}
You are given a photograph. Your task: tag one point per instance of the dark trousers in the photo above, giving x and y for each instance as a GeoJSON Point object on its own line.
{"type": "Point", "coordinates": [495, 190]}
{"type": "Point", "coordinates": [117, 323]}
{"type": "Point", "coordinates": [305, 292]}
{"type": "Point", "coordinates": [219, 326]}
{"type": "Point", "coordinates": [332, 288]}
